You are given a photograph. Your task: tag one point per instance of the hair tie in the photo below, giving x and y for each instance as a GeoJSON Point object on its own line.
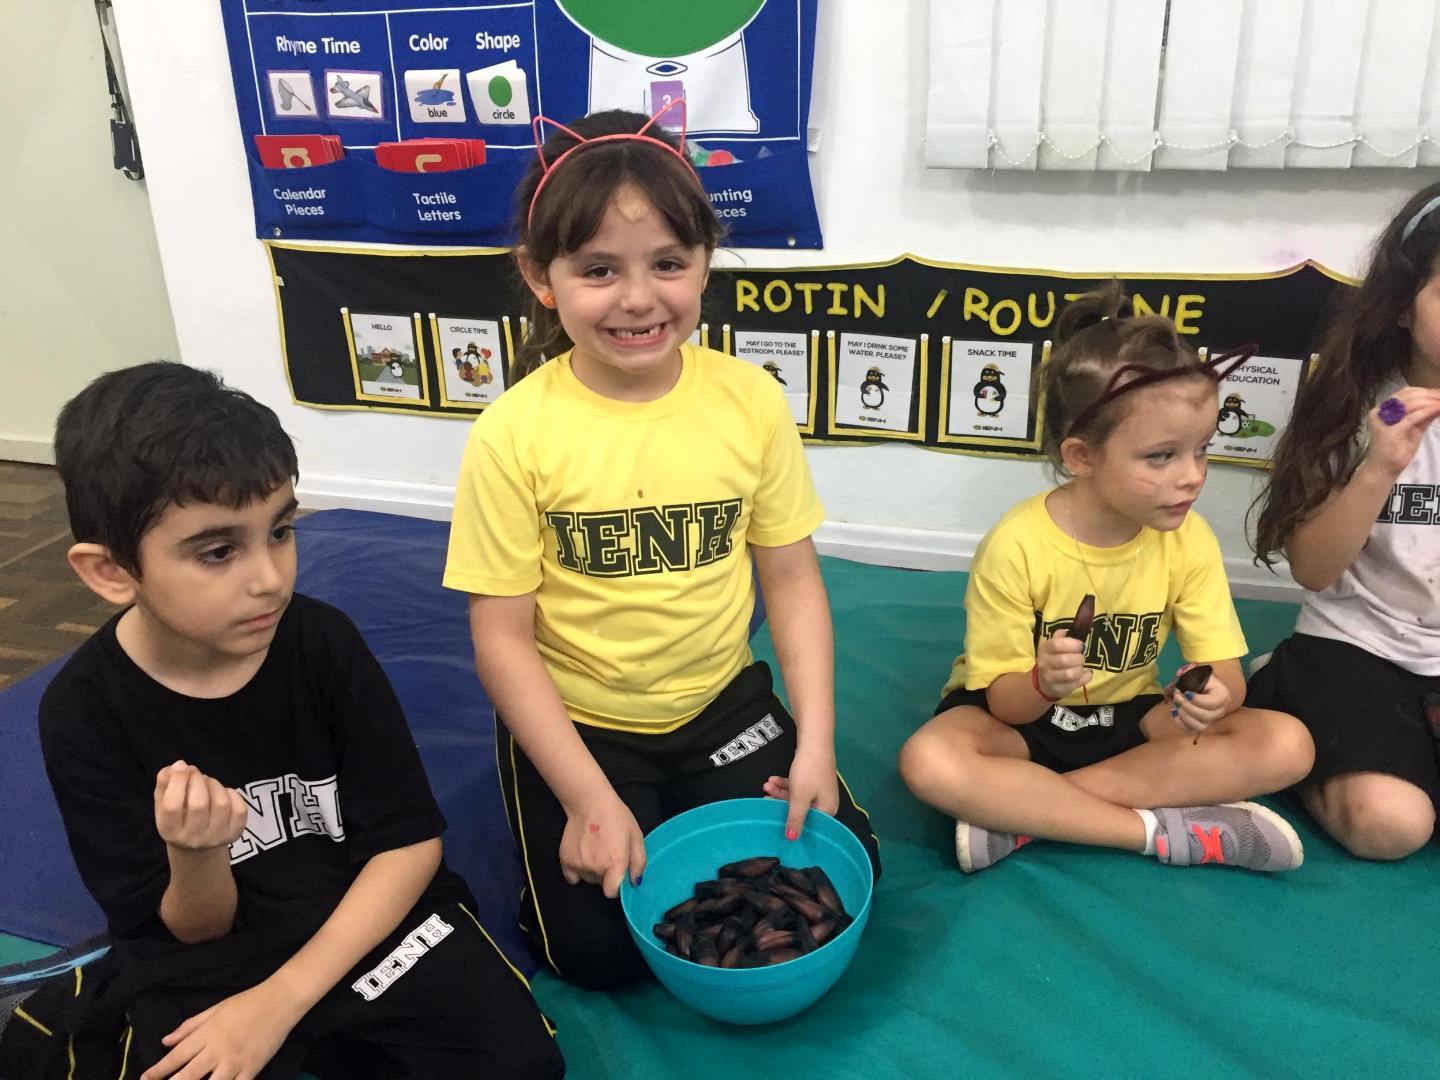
{"type": "Point", "coordinates": [1420, 215]}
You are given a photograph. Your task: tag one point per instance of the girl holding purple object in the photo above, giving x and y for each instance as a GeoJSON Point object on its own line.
{"type": "Point", "coordinates": [1352, 504]}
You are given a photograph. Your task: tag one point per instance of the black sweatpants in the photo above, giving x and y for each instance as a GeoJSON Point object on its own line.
{"type": "Point", "coordinates": [437, 1000]}
{"type": "Point", "coordinates": [579, 932]}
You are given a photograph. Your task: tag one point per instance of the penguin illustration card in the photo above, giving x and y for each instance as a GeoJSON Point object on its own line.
{"type": "Point", "coordinates": [385, 358]}
{"type": "Point", "coordinates": [989, 389]}
{"type": "Point", "coordinates": [471, 360]}
{"type": "Point", "coordinates": [875, 381]}
{"type": "Point", "coordinates": [1255, 403]}
{"type": "Point", "coordinates": [787, 357]}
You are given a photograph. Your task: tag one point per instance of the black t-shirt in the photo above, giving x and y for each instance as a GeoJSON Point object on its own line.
{"type": "Point", "coordinates": [316, 742]}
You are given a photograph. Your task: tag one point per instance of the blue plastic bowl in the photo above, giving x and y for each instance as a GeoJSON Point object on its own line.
{"type": "Point", "coordinates": [690, 848]}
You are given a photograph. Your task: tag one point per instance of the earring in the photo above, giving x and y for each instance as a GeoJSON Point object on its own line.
{"type": "Point", "coordinates": [547, 299]}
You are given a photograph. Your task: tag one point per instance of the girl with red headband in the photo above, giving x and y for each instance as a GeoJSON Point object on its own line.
{"type": "Point", "coordinates": [608, 509]}
{"type": "Point", "coordinates": [1049, 728]}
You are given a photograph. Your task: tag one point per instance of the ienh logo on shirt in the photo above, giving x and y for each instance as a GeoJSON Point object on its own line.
{"type": "Point", "coordinates": [1117, 641]}
{"type": "Point", "coordinates": [314, 810]}
{"type": "Point", "coordinates": [644, 539]}
{"type": "Point", "coordinates": [1410, 504]}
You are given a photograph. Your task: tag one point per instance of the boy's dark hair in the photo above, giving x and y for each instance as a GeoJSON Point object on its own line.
{"type": "Point", "coordinates": [569, 211]}
{"type": "Point", "coordinates": [138, 440]}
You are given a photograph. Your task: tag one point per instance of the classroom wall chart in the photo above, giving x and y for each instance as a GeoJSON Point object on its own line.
{"type": "Point", "coordinates": [375, 72]}
{"type": "Point", "coordinates": [942, 355]}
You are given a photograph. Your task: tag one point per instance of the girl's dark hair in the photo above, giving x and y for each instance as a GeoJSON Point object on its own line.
{"type": "Point", "coordinates": [1364, 345]}
{"type": "Point", "coordinates": [1098, 334]}
{"type": "Point", "coordinates": [569, 210]}
{"type": "Point", "coordinates": [137, 441]}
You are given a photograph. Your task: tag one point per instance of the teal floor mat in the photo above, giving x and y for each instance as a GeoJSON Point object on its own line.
{"type": "Point", "coordinates": [1061, 961]}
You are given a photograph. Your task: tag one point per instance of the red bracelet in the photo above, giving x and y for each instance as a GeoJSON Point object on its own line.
{"type": "Point", "coordinates": [1035, 682]}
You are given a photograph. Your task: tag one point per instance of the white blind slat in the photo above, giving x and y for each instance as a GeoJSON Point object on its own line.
{"type": "Point", "coordinates": [1200, 55]}
{"type": "Point", "coordinates": [1132, 79]}
{"type": "Point", "coordinates": [1016, 81]}
{"type": "Point", "coordinates": [1328, 75]}
{"type": "Point", "coordinates": [1392, 80]}
{"type": "Point", "coordinates": [1074, 80]}
{"type": "Point", "coordinates": [1265, 82]}
{"type": "Point", "coordinates": [1430, 102]}
{"type": "Point", "coordinates": [957, 124]}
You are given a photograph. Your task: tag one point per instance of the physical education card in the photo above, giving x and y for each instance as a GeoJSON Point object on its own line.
{"type": "Point", "coordinates": [1255, 403]}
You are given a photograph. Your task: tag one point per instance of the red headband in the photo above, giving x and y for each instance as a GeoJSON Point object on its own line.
{"type": "Point", "coordinates": [1215, 368]}
{"type": "Point", "coordinates": [549, 167]}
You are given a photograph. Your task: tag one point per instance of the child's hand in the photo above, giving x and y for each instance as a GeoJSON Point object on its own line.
{"type": "Point", "coordinates": [813, 781]}
{"type": "Point", "coordinates": [233, 1040]}
{"type": "Point", "coordinates": [1392, 446]}
{"type": "Point", "coordinates": [601, 845]}
{"type": "Point", "coordinates": [194, 812]}
{"type": "Point", "coordinates": [1196, 710]}
{"type": "Point", "coordinates": [1060, 665]}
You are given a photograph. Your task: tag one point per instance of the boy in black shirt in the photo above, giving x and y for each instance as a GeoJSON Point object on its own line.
{"type": "Point", "coordinates": [237, 781]}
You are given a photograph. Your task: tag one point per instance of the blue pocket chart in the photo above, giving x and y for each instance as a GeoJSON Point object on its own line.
{"type": "Point", "coordinates": [373, 71]}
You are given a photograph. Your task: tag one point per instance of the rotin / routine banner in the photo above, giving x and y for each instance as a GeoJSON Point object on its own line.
{"type": "Point", "coordinates": [937, 354]}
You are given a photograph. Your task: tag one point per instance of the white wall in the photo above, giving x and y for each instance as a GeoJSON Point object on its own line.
{"type": "Point", "coordinates": [80, 285]}
{"type": "Point", "coordinates": [894, 502]}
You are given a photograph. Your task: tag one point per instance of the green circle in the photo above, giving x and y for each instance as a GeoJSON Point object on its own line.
{"type": "Point", "coordinates": [500, 90]}
{"type": "Point", "coordinates": [661, 28]}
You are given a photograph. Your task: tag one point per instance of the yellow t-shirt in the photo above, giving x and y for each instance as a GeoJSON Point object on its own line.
{"type": "Point", "coordinates": [630, 520]}
{"type": "Point", "coordinates": [1028, 578]}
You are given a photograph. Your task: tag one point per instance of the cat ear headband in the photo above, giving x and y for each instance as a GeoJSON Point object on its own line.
{"type": "Point", "coordinates": [581, 143]}
{"type": "Point", "coordinates": [1216, 368]}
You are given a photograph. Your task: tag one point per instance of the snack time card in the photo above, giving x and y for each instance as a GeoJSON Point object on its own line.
{"type": "Point", "coordinates": [989, 389]}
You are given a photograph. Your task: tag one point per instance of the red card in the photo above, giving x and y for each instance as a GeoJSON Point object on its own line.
{"type": "Point", "coordinates": [430, 155]}
{"type": "Point", "coordinates": [297, 151]}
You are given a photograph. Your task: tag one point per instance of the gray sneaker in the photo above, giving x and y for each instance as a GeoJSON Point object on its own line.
{"type": "Point", "coordinates": [1242, 834]}
{"type": "Point", "coordinates": [977, 848]}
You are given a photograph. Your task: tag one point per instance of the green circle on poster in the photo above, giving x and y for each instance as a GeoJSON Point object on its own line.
{"type": "Point", "coordinates": [661, 27]}
{"type": "Point", "coordinates": [501, 92]}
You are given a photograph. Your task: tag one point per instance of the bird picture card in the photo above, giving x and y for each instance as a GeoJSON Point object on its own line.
{"type": "Point", "coordinates": [987, 390]}
{"type": "Point", "coordinates": [789, 358]}
{"type": "Point", "coordinates": [875, 381]}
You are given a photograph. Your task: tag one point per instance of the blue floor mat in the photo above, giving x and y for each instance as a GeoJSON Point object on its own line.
{"type": "Point", "coordinates": [384, 571]}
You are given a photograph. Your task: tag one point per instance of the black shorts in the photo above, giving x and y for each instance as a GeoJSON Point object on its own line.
{"type": "Point", "coordinates": [1364, 713]}
{"type": "Point", "coordinates": [1073, 736]}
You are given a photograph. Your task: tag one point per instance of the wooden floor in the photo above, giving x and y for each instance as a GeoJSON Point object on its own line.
{"type": "Point", "coordinates": [44, 610]}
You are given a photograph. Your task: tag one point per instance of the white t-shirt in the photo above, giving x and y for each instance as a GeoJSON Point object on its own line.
{"type": "Point", "coordinates": [1388, 600]}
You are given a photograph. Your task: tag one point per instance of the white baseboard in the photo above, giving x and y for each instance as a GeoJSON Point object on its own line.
{"type": "Point", "coordinates": [879, 545]}
{"type": "Point", "coordinates": [28, 449]}
{"type": "Point", "coordinates": [431, 501]}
